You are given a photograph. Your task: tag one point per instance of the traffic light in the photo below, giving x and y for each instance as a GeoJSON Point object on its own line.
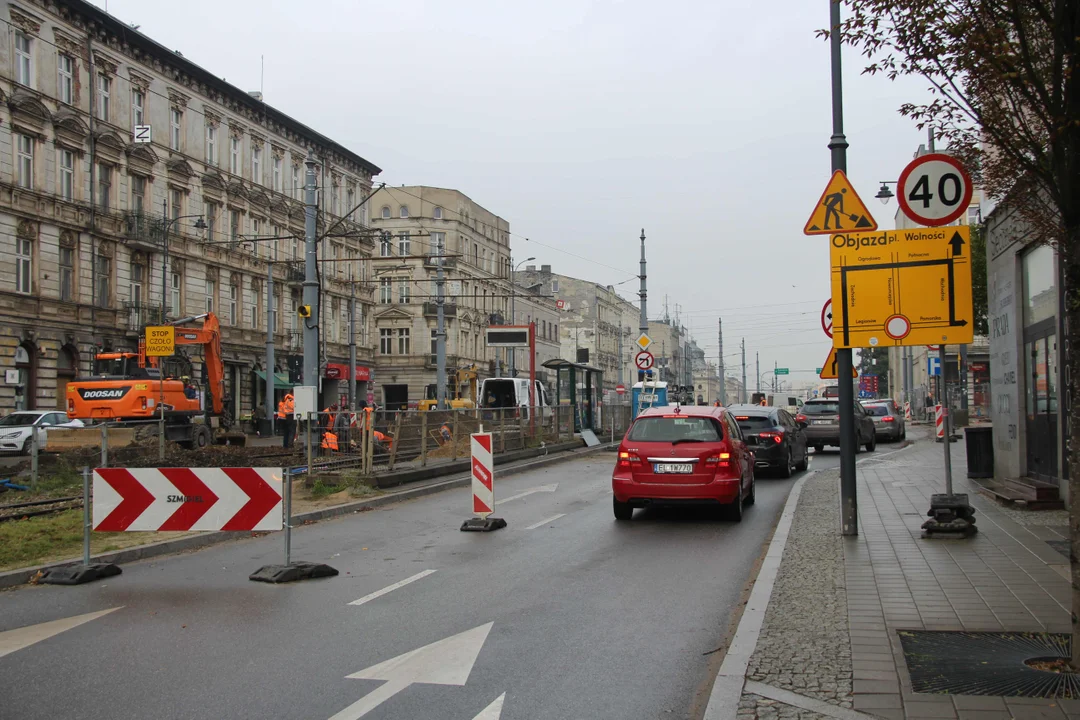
{"type": "Point", "coordinates": [304, 311]}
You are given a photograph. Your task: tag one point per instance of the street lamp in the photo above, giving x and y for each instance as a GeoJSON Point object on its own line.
{"type": "Point", "coordinates": [199, 225]}
{"type": "Point", "coordinates": [884, 194]}
{"type": "Point", "coordinates": [513, 315]}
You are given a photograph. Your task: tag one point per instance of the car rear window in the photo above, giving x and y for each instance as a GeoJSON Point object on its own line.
{"type": "Point", "coordinates": [821, 408]}
{"type": "Point", "coordinates": [665, 429]}
{"type": "Point", "coordinates": [754, 422]}
{"type": "Point", "coordinates": [877, 410]}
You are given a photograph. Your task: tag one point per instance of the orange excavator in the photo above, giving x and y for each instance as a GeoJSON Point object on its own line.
{"type": "Point", "coordinates": [128, 387]}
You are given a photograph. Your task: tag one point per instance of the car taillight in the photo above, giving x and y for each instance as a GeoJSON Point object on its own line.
{"type": "Point", "coordinates": [800, 418]}
{"type": "Point", "coordinates": [778, 437]}
{"type": "Point", "coordinates": [887, 418]}
{"type": "Point", "coordinates": [719, 460]}
{"type": "Point", "coordinates": [627, 459]}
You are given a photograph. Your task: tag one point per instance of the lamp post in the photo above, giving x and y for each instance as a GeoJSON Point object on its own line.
{"type": "Point", "coordinates": [513, 314]}
{"type": "Point", "coordinates": [885, 194]}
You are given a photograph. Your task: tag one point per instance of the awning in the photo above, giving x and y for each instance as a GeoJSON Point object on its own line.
{"type": "Point", "coordinates": [281, 380]}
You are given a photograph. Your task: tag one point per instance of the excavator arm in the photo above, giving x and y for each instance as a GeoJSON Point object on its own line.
{"type": "Point", "coordinates": [209, 336]}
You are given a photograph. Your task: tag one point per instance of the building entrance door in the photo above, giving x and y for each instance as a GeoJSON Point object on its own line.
{"type": "Point", "coordinates": [1040, 354]}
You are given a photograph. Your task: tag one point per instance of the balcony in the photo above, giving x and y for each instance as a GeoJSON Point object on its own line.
{"type": "Point", "coordinates": [431, 362]}
{"type": "Point", "coordinates": [294, 340]}
{"type": "Point", "coordinates": [432, 309]}
{"type": "Point", "coordinates": [431, 262]}
{"type": "Point", "coordinates": [144, 231]}
{"type": "Point", "coordinates": [140, 314]}
{"type": "Point", "coordinates": [294, 271]}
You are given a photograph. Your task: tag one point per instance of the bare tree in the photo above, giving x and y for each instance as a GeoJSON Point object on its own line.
{"type": "Point", "coordinates": [1004, 77]}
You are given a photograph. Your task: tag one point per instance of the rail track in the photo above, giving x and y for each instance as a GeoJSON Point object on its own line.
{"type": "Point", "coordinates": [37, 508]}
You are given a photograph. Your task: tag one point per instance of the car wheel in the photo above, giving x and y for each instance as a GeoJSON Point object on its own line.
{"type": "Point", "coordinates": [903, 434]}
{"type": "Point", "coordinates": [858, 443]}
{"type": "Point", "coordinates": [25, 447]}
{"type": "Point", "coordinates": [752, 497]}
{"type": "Point", "coordinates": [623, 511]}
{"type": "Point", "coordinates": [786, 471]}
{"type": "Point", "coordinates": [819, 448]}
{"type": "Point", "coordinates": [735, 509]}
{"type": "Point", "coordinates": [871, 444]}
{"type": "Point", "coordinates": [805, 462]}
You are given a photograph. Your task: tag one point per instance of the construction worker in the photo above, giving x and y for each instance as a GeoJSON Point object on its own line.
{"type": "Point", "coordinates": [447, 434]}
{"type": "Point", "coordinates": [285, 414]}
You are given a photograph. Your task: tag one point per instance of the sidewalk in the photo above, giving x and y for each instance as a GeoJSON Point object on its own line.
{"type": "Point", "coordinates": [842, 610]}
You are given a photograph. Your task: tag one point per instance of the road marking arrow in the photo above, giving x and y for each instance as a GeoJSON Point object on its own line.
{"type": "Point", "coordinates": [17, 639]}
{"type": "Point", "coordinates": [542, 488]}
{"type": "Point", "coordinates": [492, 711]}
{"type": "Point", "coordinates": [446, 662]}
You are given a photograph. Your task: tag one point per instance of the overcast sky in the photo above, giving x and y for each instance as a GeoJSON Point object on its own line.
{"type": "Point", "coordinates": [706, 123]}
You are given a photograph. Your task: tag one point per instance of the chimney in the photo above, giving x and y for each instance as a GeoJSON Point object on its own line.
{"type": "Point", "coordinates": [545, 269]}
{"type": "Point", "coordinates": [256, 94]}
{"type": "Point", "coordinates": [530, 268]}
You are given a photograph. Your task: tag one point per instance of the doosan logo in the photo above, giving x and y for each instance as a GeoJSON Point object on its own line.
{"type": "Point", "coordinates": [103, 394]}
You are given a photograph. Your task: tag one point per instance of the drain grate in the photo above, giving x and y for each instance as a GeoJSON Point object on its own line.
{"type": "Point", "coordinates": [1059, 546]}
{"type": "Point", "coordinates": [960, 663]}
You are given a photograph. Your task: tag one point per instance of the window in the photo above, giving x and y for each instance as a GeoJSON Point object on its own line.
{"type": "Point", "coordinates": [176, 282]}
{"type": "Point", "coordinates": [24, 264]}
{"type": "Point", "coordinates": [211, 145]}
{"type": "Point", "coordinates": [104, 88]}
{"type": "Point", "coordinates": [974, 214]}
{"type": "Point", "coordinates": [476, 255]}
{"type": "Point", "coordinates": [403, 341]}
{"type": "Point", "coordinates": [386, 341]}
{"type": "Point", "coordinates": [256, 230]}
{"type": "Point", "coordinates": [66, 177]}
{"type": "Point", "coordinates": [403, 290]}
{"type": "Point", "coordinates": [350, 200]}
{"type": "Point", "coordinates": [65, 78]}
{"type": "Point", "coordinates": [137, 102]}
{"type": "Point", "coordinates": [295, 248]}
{"type": "Point", "coordinates": [386, 212]}
{"type": "Point", "coordinates": [335, 192]}
{"type": "Point", "coordinates": [104, 189]}
{"type": "Point", "coordinates": [255, 312]}
{"type": "Point", "coordinates": [138, 193]}
{"type": "Point", "coordinates": [23, 64]}
{"type": "Point", "coordinates": [26, 162]}
{"type": "Point", "coordinates": [386, 248]}
{"type": "Point", "coordinates": [256, 164]}
{"type": "Point", "coordinates": [386, 291]}
{"type": "Point", "coordinates": [234, 155]}
{"type": "Point", "coordinates": [176, 203]}
{"type": "Point", "coordinates": [210, 213]}
{"type": "Point", "coordinates": [67, 274]}
{"type": "Point", "coordinates": [297, 186]}
{"type": "Point", "coordinates": [438, 242]}
{"type": "Point", "coordinates": [211, 292]}
{"type": "Point", "coordinates": [403, 211]}
{"type": "Point", "coordinates": [138, 270]}
{"type": "Point", "coordinates": [275, 232]}
{"type": "Point", "coordinates": [104, 281]}
{"type": "Point", "coordinates": [277, 174]}
{"type": "Point", "coordinates": [404, 245]}
{"type": "Point", "coordinates": [437, 213]}
{"type": "Point", "coordinates": [234, 227]}
{"type": "Point", "coordinates": [175, 119]}
{"type": "Point", "coordinates": [554, 286]}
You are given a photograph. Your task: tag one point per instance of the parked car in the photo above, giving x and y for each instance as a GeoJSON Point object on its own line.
{"type": "Point", "coordinates": [823, 428]}
{"type": "Point", "coordinates": [778, 441]}
{"type": "Point", "coordinates": [888, 419]}
{"type": "Point", "coordinates": [15, 428]}
{"type": "Point", "coordinates": [683, 455]}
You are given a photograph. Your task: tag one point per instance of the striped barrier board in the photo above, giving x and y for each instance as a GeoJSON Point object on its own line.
{"type": "Point", "coordinates": [939, 420]}
{"type": "Point", "coordinates": [483, 475]}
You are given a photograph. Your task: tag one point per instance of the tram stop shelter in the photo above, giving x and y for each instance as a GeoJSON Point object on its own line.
{"type": "Point", "coordinates": [579, 386]}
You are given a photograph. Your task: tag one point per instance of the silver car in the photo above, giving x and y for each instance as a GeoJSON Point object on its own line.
{"type": "Point", "coordinates": [888, 419]}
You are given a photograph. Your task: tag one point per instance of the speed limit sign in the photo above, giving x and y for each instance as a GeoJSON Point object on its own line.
{"type": "Point", "coordinates": [934, 189]}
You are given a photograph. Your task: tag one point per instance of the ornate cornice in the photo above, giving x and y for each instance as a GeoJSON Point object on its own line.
{"type": "Point", "coordinates": [24, 20]}
{"type": "Point", "coordinates": [139, 80]}
{"type": "Point", "coordinates": [236, 129]}
{"type": "Point", "coordinates": [105, 63]}
{"type": "Point", "coordinates": [69, 44]}
{"type": "Point", "coordinates": [178, 99]}
{"type": "Point", "coordinates": [211, 117]}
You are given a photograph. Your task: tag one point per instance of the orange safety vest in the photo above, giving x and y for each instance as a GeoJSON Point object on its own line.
{"type": "Point", "coordinates": [384, 439]}
{"type": "Point", "coordinates": [329, 441]}
{"type": "Point", "coordinates": [286, 407]}
{"type": "Point", "coordinates": [329, 417]}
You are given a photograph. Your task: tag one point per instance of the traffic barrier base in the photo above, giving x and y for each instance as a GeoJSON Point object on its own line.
{"type": "Point", "coordinates": [79, 574]}
{"type": "Point", "coordinates": [483, 524]}
{"type": "Point", "coordinates": [292, 573]}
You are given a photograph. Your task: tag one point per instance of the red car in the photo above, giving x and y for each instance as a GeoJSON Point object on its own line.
{"type": "Point", "coordinates": [683, 455]}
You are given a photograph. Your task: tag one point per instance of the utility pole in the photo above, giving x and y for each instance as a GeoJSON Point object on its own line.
{"type": "Point", "coordinates": [849, 509]}
{"type": "Point", "coordinates": [271, 378]}
{"type": "Point", "coordinates": [757, 371]}
{"type": "Point", "coordinates": [642, 293]}
{"type": "Point", "coordinates": [723, 384]}
{"type": "Point", "coordinates": [743, 399]}
{"type": "Point", "coordinates": [620, 355]}
{"type": "Point", "coordinates": [440, 329]}
{"type": "Point", "coordinates": [352, 340]}
{"type": "Point", "coordinates": [774, 386]}
{"type": "Point", "coordinates": [311, 280]}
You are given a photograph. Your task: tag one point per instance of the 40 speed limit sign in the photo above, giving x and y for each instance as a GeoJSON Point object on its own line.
{"type": "Point", "coordinates": [934, 189]}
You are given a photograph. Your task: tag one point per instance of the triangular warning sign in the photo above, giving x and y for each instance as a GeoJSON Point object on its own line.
{"type": "Point", "coordinates": [829, 371]}
{"type": "Point", "coordinates": [839, 210]}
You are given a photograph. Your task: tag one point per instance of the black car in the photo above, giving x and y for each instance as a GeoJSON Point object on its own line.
{"type": "Point", "coordinates": [778, 441]}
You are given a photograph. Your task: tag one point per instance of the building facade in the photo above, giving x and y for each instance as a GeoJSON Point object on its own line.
{"type": "Point", "coordinates": [112, 147]}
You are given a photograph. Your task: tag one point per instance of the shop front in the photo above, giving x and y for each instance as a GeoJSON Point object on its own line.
{"type": "Point", "coordinates": [336, 384]}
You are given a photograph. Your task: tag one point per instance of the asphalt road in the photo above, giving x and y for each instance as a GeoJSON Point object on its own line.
{"type": "Point", "coordinates": [566, 613]}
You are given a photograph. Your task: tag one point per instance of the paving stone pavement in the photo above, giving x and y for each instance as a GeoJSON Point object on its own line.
{"type": "Point", "coordinates": [830, 630]}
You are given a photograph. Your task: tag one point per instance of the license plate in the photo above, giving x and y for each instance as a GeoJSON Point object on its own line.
{"type": "Point", "coordinates": [823, 422]}
{"type": "Point", "coordinates": [673, 468]}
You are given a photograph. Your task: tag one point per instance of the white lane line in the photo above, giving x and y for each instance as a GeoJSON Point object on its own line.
{"type": "Point", "coordinates": [391, 588]}
{"type": "Point", "coordinates": [553, 518]}
{"type": "Point", "coordinates": [17, 639]}
{"type": "Point", "coordinates": [542, 488]}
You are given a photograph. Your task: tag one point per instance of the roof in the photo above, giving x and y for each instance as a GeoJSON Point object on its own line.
{"type": "Point", "coordinates": [559, 364]}
{"type": "Point", "coordinates": [687, 410]}
{"type": "Point", "coordinates": [749, 409]}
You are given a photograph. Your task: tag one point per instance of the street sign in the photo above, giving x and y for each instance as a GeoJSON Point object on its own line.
{"type": "Point", "coordinates": [620, 389]}
{"type": "Point", "coordinates": [160, 340]}
{"type": "Point", "coordinates": [830, 372]}
{"type": "Point", "coordinates": [643, 341]}
{"type": "Point", "coordinates": [839, 210]}
{"type": "Point", "coordinates": [934, 189]}
{"type": "Point", "coordinates": [483, 475]}
{"type": "Point", "coordinates": [507, 335]}
{"type": "Point", "coordinates": [207, 499]}
{"type": "Point", "coordinates": [560, 304]}
{"type": "Point", "coordinates": [902, 287]}
{"type": "Point", "coordinates": [781, 371]}
{"type": "Point", "coordinates": [818, 370]}
{"type": "Point", "coordinates": [644, 360]}
{"type": "Point", "coordinates": [142, 133]}
{"type": "Point", "coordinates": [933, 366]}
{"type": "Point", "coordinates": [826, 317]}
{"type": "Point", "coordinates": [933, 348]}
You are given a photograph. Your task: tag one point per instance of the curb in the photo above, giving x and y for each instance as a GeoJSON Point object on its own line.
{"type": "Point", "coordinates": [14, 578]}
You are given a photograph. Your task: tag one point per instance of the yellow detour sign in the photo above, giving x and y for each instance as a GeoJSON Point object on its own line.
{"type": "Point", "coordinates": [839, 210]}
{"type": "Point", "coordinates": [902, 287]}
{"type": "Point", "coordinates": [829, 371]}
{"type": "Point", "coordinates": [160, 340]}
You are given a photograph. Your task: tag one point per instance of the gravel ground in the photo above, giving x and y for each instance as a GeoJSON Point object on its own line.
{"type": "Point", "coordinates": [804, 645]}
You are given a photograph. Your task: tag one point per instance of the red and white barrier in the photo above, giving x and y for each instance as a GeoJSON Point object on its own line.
{"type": "Point", "coordinates": [160, 499]}
{"type": "Point", "coordinates": [939, 420]}
{"type": "Point", "coordinates": [907, 411]}
{"type": "Point", "coordinates": [483, 475]}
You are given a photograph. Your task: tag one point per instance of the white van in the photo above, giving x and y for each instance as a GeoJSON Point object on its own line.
{"type": "Point", "coordinates": [512, 393]}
